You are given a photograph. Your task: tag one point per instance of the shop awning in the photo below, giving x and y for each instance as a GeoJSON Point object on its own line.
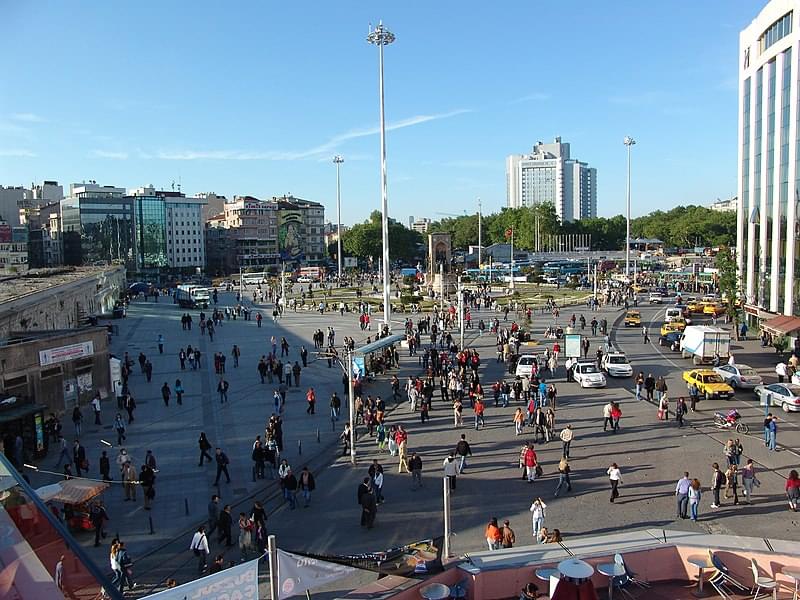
{"type": "Point", "coordinates": [73, 491]}
{"type": "Point", "coordinates": [781, 325]}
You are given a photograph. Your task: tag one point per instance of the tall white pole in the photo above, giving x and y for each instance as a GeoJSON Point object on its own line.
{"type": "Point", "coordinates": [447, 533]}
{"type": "Point", "coordinates": [461, 313]}
{"type": "Point", "coordinates": [480, 236]}
{"type": "Point", "coordinates": [272, 550]}
{"type": "Point", "coordinates": [628, 141]}
{"type": "Point", "coordinates": [381, 37]}
{"type": "Point", "coordinates": [338, 160]}
{"type": "Point", "coordinates": [351, 404]}
{"type": "Point", "coordinates": [512, 258]}
{"type": "Point", "coordinates": [441, 288]}
{"type": "Point", "coordinates": [282, 301]}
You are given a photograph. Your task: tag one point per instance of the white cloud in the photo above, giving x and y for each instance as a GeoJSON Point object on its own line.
{"type": "Point", "coordinates": [108, 154]}
{"type": "Point", "coordinates": [535, 97]}
{"type": "Point", "coordinates": [27, 118]}
{"type": "Point", "coordinates": [317, 152]}
{"type": "Point", "coordinates": [17, 153]}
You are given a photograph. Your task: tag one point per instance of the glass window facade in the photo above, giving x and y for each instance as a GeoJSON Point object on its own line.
{"type": "Point", "coordinates": [746, 148]}
{"type": "Point", "coordinates": [98, 230]}
{"type": "Point", "coordinates": [151, 232]}
{"type": "Point", "coordinates": [770, 198]}
{"type": "Point", "coordinates": [778, 30]}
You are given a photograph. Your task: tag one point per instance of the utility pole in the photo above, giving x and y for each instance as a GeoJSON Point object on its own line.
{"type": "Point", "coordinates": [447, 533]}
{"type": "Point", "coordinates": [480, 235]}
{"type": "Point", "coordinates": [461, 313]}
{"type": "Point", "coordinates": [351, 405]}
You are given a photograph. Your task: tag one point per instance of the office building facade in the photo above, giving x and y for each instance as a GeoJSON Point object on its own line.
{"type": "Point", "coordinates": [97, 225]}
{"type": "Point", "coordinates": [769, 161]}
{"type": "Point", "coordinates": [549, 174]}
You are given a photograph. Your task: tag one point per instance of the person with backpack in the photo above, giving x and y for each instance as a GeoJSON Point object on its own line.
{"type": "Point", "coordinates": [199, 546]}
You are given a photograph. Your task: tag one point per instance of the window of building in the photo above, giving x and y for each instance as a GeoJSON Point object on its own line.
{"type": "Point", "coordinates": [775, 32]}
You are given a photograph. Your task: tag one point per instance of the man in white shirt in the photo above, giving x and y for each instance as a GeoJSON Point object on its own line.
{"type": "Point", "coordinates": [682, 494]}
{"type": "Point", "coordinates": [199, 546]}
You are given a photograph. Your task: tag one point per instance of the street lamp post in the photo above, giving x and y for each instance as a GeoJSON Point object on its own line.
{"type": "Point", "coordinates": [380, 36]}
{"type": "Point", "coordinates": [628, 141]}
{"type": "Point", "coordinates": [338, 160]}
{"type": "Point", "coordinates": [480, 236]}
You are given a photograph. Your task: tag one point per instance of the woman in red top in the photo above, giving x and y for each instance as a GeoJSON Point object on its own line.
{"type": "Point", "coordinates": [793, 490]}
{"type": "Point", "coordinates": [616, 413]}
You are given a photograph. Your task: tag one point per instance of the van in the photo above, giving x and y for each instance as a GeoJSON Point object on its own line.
{"type": "Point", "coordinates": [672, 313]}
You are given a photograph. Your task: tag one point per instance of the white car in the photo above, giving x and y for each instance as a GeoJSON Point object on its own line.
{"type": "Point", "coordinates": [785, 395]}
{"type": "Point", "coordinates": [656, 298]}
{"type": "Point", "coordinates": [588, 375]}
{"type": "Point", "coordinates": [524, 366]}
{"type": "Point", "coordinates": [739, 376]}
{"type": "Point", "coordinates": [616, 365]}
{"type": "Point", "coordinates": [304, 279]}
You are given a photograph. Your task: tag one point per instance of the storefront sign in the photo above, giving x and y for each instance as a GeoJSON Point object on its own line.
{"type": "Point", "coordinates": [65, 353]}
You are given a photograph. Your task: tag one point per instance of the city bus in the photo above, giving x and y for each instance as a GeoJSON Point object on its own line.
{"type": "Point", "coordinates": [248, 278]}
{"type": "Point", "coordinates": [310, 274]}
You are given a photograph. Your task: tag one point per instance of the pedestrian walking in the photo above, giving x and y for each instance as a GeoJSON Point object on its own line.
{"type": "Point", "coordinates": [563, 476]}
{"type": "Point", "coordinates": [695, 494]}
{"type": "Point", "coordinates": [530, 462]}
{"type": "Point", "coordinates": [749, 480]}
{"type": "Point", "coordinates": [96, 408]}
{"type": "Point", "coordinates": [615, 478]}
{"type": "Point", "coordinates": [682, 495]}
{"type": "Point", "coordinates": [205, 446]}
{"type": "Point", "coordinates": [311, 399]}
{"type": "Point", "coordinates": [772, 430]}
{"type": "Point", "coordinates": [680, 410]}
{"type": "Point", "coordinates": [415, 466]}
{"type": "Point", "coordinates": [199, 547]}
{"type": "Point", "coordinates": [307, 485]}
{"type": "Point", "coordinates": [126, 568]}
{"type": "Point", "coordinates": [222, 389]}
{"type": "Point", "coordinates": [213, 514]}
{"type": "Point", "coordinates": [77, 419]}
{"type": "Point", "coordinates": [236, 353]}
{"type": "Point", "coordinates": [179, 392]}
{"type": "Point", "coordinates": [567, 435]}
{"type": "Point", "coordinates": [493, 535]}
{"type": "Point", "coordinates": [222, 466]}
{"type": "Point", "coordinates": [507, 536]}
{"type": "Point", "coordinates": [792, 488]}
{"type": "Point", "coordinates": [369, 504]}
{"type": "Point", "coordinates": [225, 525]}
{"type": "Point", "coordinates": [463, 450]}
{"type": "Point", "coordinates": [166, 393]}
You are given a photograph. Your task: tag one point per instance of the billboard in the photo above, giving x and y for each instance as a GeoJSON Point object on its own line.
{"type": "Point", "coordinates": [290, 235]}
{"type": "Point", "coordinates": [64, 353]}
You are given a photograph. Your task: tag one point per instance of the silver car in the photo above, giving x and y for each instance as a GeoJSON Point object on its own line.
{"type": "Point", "coordinates": [739, 376]}
{"type": "Point", "coordinates": [785, 395]}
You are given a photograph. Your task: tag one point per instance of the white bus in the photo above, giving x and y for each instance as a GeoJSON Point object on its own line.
{"type": "Point", "coordinates": [248, 278]}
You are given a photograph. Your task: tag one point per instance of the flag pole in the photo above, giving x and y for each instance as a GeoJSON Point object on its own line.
{"type": "Point", "coordinates": [512, 258]}
{"type": "Point", "coordinates": [272, 549]}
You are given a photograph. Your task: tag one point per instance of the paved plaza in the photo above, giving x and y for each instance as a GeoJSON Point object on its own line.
{"type": "Point", "coordinates": [652, 455]}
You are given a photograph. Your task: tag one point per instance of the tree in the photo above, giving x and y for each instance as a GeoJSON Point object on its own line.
{"type": "Point", "coordinates": [728, 282]}
{"type": "Point", "coordinates": [365, 240]}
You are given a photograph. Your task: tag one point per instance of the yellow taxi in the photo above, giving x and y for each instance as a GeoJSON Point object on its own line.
{"type": "Point", "coordinates": [709, 383]}
{"type": "Point", "coordinates": [633, 318]}
{"type": "Point", "coordinates": [713, 308]}
{"type": "Point", "coordinates": [694, 306]}
{"type": "Point", "coordinates": [639, 289]}
{"type": "Point", "coordinates": [672, 326]}
{"type": "Point", "coordinates": [678, 322]}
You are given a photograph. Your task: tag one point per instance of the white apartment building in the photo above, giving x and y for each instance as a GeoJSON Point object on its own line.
{"type": "Point", "coordinates": [768, 187]}
{"type": "Point", "coordinates": [420, 225]}
{"type": "Point", "coordinates": [549, 174]}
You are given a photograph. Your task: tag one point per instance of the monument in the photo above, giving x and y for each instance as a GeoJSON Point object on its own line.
{"type": "Point", "coordinates": [440, 277]}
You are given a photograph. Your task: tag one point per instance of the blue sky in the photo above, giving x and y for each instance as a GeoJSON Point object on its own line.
{"type": "Point", "coordinates": [256, 97]}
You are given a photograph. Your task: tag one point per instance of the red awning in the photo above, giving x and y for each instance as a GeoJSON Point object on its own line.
{"type": "Point", "coordinates": [781, 325]}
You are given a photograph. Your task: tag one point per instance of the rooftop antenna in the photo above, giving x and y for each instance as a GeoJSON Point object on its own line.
{"type": "Point", "coordinates": [179, 184]}
{"type": "Point", "coordinates": [173, 185]}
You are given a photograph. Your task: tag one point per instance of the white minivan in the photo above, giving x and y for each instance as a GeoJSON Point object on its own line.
{"type": "Point", "coordinates": [672, 313]}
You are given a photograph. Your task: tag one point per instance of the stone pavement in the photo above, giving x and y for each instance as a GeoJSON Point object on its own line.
{"type": "Point", "coordinates": [651, 454]}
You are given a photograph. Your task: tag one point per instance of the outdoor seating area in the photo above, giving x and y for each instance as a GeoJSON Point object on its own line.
{"type": "Point", "coordinates": [646, 564]}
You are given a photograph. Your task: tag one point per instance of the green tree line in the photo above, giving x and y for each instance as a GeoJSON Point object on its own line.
{"type": "Point", "coordinates": [682, 226]}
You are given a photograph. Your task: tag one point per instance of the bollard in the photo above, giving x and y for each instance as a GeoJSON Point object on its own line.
{"type": "Point", "coordinates": [150, 518]}
{"type": "Point", "coordinates": [186, 506]}
{"type": "Point", "coordinates": [318, 440]}
{"type": "Point", "coordinates": [299, 447]}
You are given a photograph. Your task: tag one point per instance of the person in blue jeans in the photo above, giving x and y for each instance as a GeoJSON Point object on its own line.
{"type": "Point", "coordinates": [773, 433]}
{"type": "Point", "coordinates": [694, 498]}
{"type": "Point", "coordinates": [767, 421]}
{"type": "Point", "coordinates": [462, 451]}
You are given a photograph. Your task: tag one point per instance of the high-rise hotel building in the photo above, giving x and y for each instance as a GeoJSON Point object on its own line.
{"type": "Point", "coordinates": [768, 240]}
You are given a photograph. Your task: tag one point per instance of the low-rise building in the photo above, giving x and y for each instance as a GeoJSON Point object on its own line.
{"type": "Point", "coordinates": [13, 249]}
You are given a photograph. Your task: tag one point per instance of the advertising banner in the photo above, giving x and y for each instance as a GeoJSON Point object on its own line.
{"type": "Point", "coordinates": [240, 582]}
{"type": "Point", "coordinates": [290, 235]}
{"type": "Point", "coordinates": [65, 353]}
{"type": "Point", "coordinates": [296, 573]}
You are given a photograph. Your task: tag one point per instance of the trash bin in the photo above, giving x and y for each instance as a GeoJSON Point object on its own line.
{"type": "Point", "coordinates": [435, 591]}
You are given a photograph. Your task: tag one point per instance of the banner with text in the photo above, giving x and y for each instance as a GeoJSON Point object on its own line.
{"type": "Point", "coordinates": [296, 573]}
{"type": "Point", "coordinates": [240, 582]}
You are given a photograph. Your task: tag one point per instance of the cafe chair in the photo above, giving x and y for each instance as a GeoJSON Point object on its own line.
{"type": "Point", "coordinates": [620, 583]}
{"type": "Point", "coordinates": [721, 578]}
{"type": "Point", "coordinates": [759, 582]}
{"type": "Point", "coordinates": [620, 560]}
